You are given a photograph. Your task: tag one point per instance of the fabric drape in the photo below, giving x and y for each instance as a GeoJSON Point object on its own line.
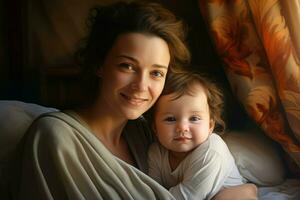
{"type": "Point", "coordinates": [67, 161]}
{"type": "Point", "coordinates": [259, 45]}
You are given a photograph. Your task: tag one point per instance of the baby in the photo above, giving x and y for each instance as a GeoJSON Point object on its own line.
{"type": "Point", "coordinates": [190, 159]}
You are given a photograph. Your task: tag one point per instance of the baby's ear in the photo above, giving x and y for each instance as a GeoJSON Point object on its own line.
{"type": "Point", "coordinates": [211, 126]}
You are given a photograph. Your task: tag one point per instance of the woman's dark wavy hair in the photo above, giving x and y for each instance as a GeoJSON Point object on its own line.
{"type": "Point", "coordinates": [183, 83]}
{"type": "Point", "coordinates": [106, 23]}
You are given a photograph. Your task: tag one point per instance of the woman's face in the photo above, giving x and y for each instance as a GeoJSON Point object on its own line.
{"type": "Point", "coordinates": [133, 74]}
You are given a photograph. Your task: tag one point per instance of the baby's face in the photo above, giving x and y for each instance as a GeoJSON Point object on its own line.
{"type": "Point", "coordinates": [183, 124]}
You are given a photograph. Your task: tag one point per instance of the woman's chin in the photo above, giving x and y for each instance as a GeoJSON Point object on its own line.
{"type": "Point", "coordinates": [133, 115]}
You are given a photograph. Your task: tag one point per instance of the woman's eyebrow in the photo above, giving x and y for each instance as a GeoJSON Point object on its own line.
{"type": "Point", "coordinates": [128, 57]}
{"type": "Point", "coordinates": [136, 61]}
{"type": "Point", "coordinates": [160, 66]}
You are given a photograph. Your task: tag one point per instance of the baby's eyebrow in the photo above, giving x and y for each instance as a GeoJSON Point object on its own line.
{"type": "Point", "coordinates": [197, 112]}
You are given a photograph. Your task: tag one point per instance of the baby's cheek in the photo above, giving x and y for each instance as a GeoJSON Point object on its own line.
{"type": "Point", "coordinates": [166, 131]}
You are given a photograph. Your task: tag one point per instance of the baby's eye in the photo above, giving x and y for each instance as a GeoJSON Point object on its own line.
{"type": "Point", "coordinates": [195, 118]}
{"type": "Point", "coordinates": [126, 66]}
{"type": "Point", "coordinates": [170, 119]}
{"type": "Point", "coordinates": [157, 73]}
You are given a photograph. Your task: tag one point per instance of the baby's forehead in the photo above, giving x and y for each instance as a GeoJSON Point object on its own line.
{"type": "Point", "coordinates": [191, 95]}
{"type": "Point", "coordinates": [194, 89]}
{"type": "Point", "coordinates": [171, 104]}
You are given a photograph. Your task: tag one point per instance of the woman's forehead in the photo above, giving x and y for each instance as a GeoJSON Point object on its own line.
{"type": "Point", "coordinates": [142, 47]}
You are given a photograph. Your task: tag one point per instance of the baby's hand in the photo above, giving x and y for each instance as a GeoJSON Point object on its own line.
{"type": "Point", "coordinates": [246, 191]}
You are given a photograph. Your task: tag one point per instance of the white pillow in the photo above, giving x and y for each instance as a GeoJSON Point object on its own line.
{"type": "Point", "coordinates": [15, 118]}
{"type": "Point", "coordinates": [257, 157]}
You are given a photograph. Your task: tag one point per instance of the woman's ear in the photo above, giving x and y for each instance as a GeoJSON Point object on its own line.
{"type": "Point", "coordinates": [211, 126]}
{"type": "Point", "coordinates": [99, 72]}
{"type": "Point", "coordinates": [153, 127]}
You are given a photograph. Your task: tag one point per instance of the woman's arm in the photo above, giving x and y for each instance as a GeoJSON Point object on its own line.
{"type": "Point", "coordinates": [246, 191]}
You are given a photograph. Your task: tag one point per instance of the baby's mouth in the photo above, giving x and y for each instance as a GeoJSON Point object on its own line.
{"type": "Point", "coordinates": [182, 138]}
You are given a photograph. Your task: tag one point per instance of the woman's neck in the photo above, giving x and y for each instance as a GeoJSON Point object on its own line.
{"type": "Point", "coordinates": [108, 129]}
{"type": "Point", "coordinates": [103, 124]}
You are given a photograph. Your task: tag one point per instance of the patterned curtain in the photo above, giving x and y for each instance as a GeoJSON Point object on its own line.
{"type": "Point", "coordinates": [260, 48]}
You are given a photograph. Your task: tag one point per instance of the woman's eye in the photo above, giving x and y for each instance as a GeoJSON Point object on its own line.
{"type": "Point", "coordinates": [126, 66]}
{"type": "Point", "coordinates": [157, 74]}
{"type": "Point", "coordinates": [170, 119]}
{"type": "Point", "coordinates": [195, 118]}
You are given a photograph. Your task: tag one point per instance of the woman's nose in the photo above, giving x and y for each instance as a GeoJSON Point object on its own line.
{"type": "Point", "coordinates": [140, 83]}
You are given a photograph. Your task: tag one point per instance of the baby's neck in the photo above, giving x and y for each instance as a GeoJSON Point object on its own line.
{"type": "Point", "coordinates": [175, 158]}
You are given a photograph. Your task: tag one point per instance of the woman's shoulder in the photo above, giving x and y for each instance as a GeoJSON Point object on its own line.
{"type": "Point", "coordinates": [52, 127]}
{"type": "Point", "coordinates": [51, 120]}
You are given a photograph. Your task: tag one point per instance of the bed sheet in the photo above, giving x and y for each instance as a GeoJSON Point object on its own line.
{"type": "Point", "coordinates": [288, 190]}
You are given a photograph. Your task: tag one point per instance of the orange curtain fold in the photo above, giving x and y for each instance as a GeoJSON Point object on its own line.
{"type": "Point", "coordinates": [260, 52]}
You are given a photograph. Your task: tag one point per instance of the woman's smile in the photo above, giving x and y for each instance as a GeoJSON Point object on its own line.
{"type": "Point", "coordinates": [135, 101]}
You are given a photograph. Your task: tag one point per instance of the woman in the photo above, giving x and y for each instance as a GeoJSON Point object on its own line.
{"type": "Point", "coordinates": [92, 152]}
{"type": "Point", "coordinates": [99, 149]}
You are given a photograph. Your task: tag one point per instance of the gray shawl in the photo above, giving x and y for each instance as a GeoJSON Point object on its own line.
{"type": "Point", "coordinates": [62, 159]}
